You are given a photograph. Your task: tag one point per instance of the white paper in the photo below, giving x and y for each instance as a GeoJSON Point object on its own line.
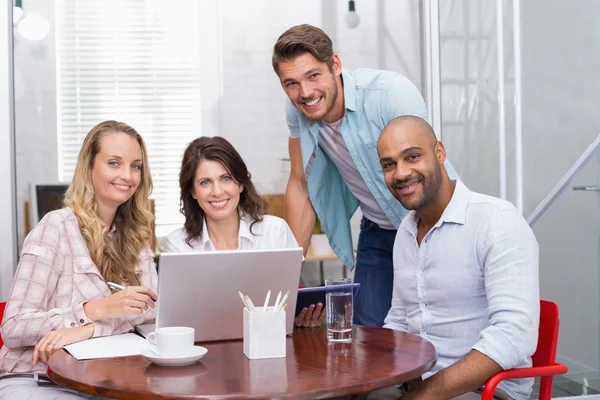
{"type": "Point", "coordinates": [127, 344]}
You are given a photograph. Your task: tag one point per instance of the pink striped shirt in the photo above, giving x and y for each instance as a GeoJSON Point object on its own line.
{"type": "Point", "coordinates": [54, 279]}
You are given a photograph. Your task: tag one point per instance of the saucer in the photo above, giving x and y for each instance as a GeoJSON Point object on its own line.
{"type": "Point", "coordinates": [196, 354]}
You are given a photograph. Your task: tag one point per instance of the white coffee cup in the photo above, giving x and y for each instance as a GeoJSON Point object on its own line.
{"type": "Point", "coordinates": [176, 341]}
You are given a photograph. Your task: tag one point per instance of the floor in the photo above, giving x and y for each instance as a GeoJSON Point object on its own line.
{"type": "Point", "coordinates": [566, 387]}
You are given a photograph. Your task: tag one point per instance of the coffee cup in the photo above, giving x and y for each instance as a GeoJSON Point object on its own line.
{"type": "Point", "coordinates": [176, 341]}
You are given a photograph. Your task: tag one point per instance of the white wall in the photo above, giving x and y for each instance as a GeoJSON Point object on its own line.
{"type": "Point", "coordinates": [245, 102]}
{"type": "Point", "coordinates": [8, 255]}
{"type": "Point", "coordinates": [35, 110]}
{"type": "Point", "coordinates": [253, 101]}
{"type": "Point", "coordinates": [561, 94]}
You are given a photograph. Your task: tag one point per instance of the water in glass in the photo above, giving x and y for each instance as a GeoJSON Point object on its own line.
{"type": "Point", "coordinates": [339, 307]}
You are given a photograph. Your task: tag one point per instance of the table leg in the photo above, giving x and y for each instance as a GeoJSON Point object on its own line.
{"type": "Point", "coordinates": [322, 273]}
{"type": "Point", "coordinates": [303, 282]}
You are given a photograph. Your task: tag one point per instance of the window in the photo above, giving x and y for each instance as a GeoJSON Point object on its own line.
{"type": "Point", "coordinates": [136, 61]}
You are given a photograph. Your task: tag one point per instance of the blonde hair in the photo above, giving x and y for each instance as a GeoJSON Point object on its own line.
{"type": "Point", "coordinates": [116, 253]}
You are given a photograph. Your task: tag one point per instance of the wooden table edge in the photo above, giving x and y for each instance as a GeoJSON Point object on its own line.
{"type": "Point", "coordinates": [362, 388]}
{"type": "Point", "coordinates": [352, 389]}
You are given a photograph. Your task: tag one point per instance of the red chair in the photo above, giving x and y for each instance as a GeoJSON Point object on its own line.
{"type": "Point", "coordinates": [543, 359]}
{"type": "Point", "coordinates": [2, 307]}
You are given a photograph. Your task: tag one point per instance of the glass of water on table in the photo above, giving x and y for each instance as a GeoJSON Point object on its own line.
{"type": "Point", "coordinates": [339, 308]}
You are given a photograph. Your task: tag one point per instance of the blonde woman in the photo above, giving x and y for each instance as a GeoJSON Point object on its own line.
{"type": "Point", "coordinates": [60, 294]}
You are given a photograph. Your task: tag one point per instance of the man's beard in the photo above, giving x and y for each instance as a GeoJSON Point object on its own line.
{"type": "Point", "coordinates": [430, 188]}
{"type": "Point", "coordinates": [329, 100]}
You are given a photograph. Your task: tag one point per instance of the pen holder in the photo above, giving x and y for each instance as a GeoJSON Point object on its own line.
{"type": "Point", "coordinates": [264, 334]}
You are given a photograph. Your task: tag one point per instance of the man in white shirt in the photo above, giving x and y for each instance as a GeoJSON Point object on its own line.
{"type": "Point", "coordinates": [465, 270]}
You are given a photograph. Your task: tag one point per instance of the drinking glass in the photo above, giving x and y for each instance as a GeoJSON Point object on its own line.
{"type": "Point", "coordinates": [339, 309]}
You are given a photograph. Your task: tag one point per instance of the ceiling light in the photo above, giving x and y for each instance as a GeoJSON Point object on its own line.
{"type": "Point", "coordinates": [33, 26]}
{"type": "Point", "coordinates": [352, 18]}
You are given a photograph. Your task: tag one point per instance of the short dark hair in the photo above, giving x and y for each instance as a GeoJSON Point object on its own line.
{"type": "Point", "coordinates": [220, 150]}
{"type": "Point", "coordinates": [302, 39]}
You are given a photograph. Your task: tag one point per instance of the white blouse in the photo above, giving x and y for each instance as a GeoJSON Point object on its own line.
{"type": "Point", "coordinates": [270, 233]}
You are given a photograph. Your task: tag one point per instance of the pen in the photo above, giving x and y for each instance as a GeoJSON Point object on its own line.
{"type": "Point", "coordinates": [267, 301]}
{"type": "Point", "coordinates": [282, 301]}
{"type": "Point", "coordinates": [243, 301]}
{"type": "Point", "coordinates": [250, 304]}
{"type": "Point", "coordinates": [116, 286]}
{"type": "Point", "coordinates": [277, 301]}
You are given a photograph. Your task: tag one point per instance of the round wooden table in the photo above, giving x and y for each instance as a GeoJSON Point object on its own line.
{"type": "Point", "coordinates": [313, 369]}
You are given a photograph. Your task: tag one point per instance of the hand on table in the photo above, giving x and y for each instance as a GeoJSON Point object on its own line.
{"type": "Point", "coordinates": [56, 340]}
{"type": "Point", "coordinates": [311, 317]}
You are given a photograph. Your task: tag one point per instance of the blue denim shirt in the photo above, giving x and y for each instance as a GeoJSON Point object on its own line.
{"type": "Point", "coordinates": [372, 99]}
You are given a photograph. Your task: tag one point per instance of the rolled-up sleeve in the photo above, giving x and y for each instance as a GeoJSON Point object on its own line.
{"type": "Point", "coordinates": [510, 256]}
{"type": "Point", "coordinates": [291, 116]}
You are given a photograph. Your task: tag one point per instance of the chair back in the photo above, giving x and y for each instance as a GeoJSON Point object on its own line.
{"type": "Point", "coordinates": [545, 353]}
{"type": "Point", "coordinates": [2, 307]}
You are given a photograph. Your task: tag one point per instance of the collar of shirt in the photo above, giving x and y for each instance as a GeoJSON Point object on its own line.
{"type": "Point", "coordinates": [455, 212]}
{"type": "Point", "coordinates": [243, 233]}
{"type": "Point", "coordinates": [349, 90]}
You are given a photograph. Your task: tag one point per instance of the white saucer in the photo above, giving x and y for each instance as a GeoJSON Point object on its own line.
{"type": "Point", "coordinates": [196, 354]}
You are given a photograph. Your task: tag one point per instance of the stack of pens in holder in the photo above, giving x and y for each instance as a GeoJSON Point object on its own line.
{"type": "Point", "coordinates": [264, 327]}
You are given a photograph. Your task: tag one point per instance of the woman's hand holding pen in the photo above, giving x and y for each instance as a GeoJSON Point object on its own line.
{"type": "Point", "coordinates": [132, 300]}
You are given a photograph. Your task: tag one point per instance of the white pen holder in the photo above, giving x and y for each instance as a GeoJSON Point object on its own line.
{"type": "Point", "coordinates": [264, 333]}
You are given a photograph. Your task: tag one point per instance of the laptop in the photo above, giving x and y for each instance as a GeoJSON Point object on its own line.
{"type": "Point", "coordinates": [200, 290]}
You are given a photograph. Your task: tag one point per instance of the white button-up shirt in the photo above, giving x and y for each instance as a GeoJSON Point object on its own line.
{"type": "Point", "coordinates": [270, 233]}
{"type": "Point", "coordinates": [473, 283]}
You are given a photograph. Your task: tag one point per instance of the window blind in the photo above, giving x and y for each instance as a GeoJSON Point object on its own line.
{"type": "Point", "coordinates": [135, 61]}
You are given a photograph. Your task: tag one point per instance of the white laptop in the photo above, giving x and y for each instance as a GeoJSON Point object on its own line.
{"type": "Point", "coordinates": [201, 289]}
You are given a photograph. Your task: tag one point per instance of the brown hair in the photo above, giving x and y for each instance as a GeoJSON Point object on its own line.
{"type": "Point", "coordinates": [302, 39]}
{"type": "Point", "coordinates": [220, 150]}
{"type": "Point", "coordinates": [116, 253]}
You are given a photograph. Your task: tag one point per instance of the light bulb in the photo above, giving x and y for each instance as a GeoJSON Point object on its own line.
{"type": "Point", "coordinates": [17, 14]}
{"type": "Point", "coordinates": [34, 27]}
{"type": "Point", "coordinates": [352, 18]}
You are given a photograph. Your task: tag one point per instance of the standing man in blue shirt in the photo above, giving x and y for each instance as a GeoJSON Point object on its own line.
{"type": "Point", "coordinates": [335, 117]}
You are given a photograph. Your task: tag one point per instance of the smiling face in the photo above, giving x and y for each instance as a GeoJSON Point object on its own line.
{"type": "Point", "coordinates": [312, 87]}
{"type": "Point", "coordinates": [117, 170]}
{"type": "Point", "coordinates": [215, 191]}
{"type": "Point", "coordinates": [412, 164]}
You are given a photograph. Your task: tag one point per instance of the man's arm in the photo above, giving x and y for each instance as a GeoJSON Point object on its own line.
{"type": "Point", "coordinates": [299, 213]}
{"type": "Point", "coordinates": [468, 374]}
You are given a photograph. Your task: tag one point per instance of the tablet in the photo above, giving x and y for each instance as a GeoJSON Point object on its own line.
{"type": "Point", "coordinates": [314, 295]}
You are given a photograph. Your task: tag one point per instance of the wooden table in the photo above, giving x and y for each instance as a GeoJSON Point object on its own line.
{"type": "Point", "coordinates": [313, 369]}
